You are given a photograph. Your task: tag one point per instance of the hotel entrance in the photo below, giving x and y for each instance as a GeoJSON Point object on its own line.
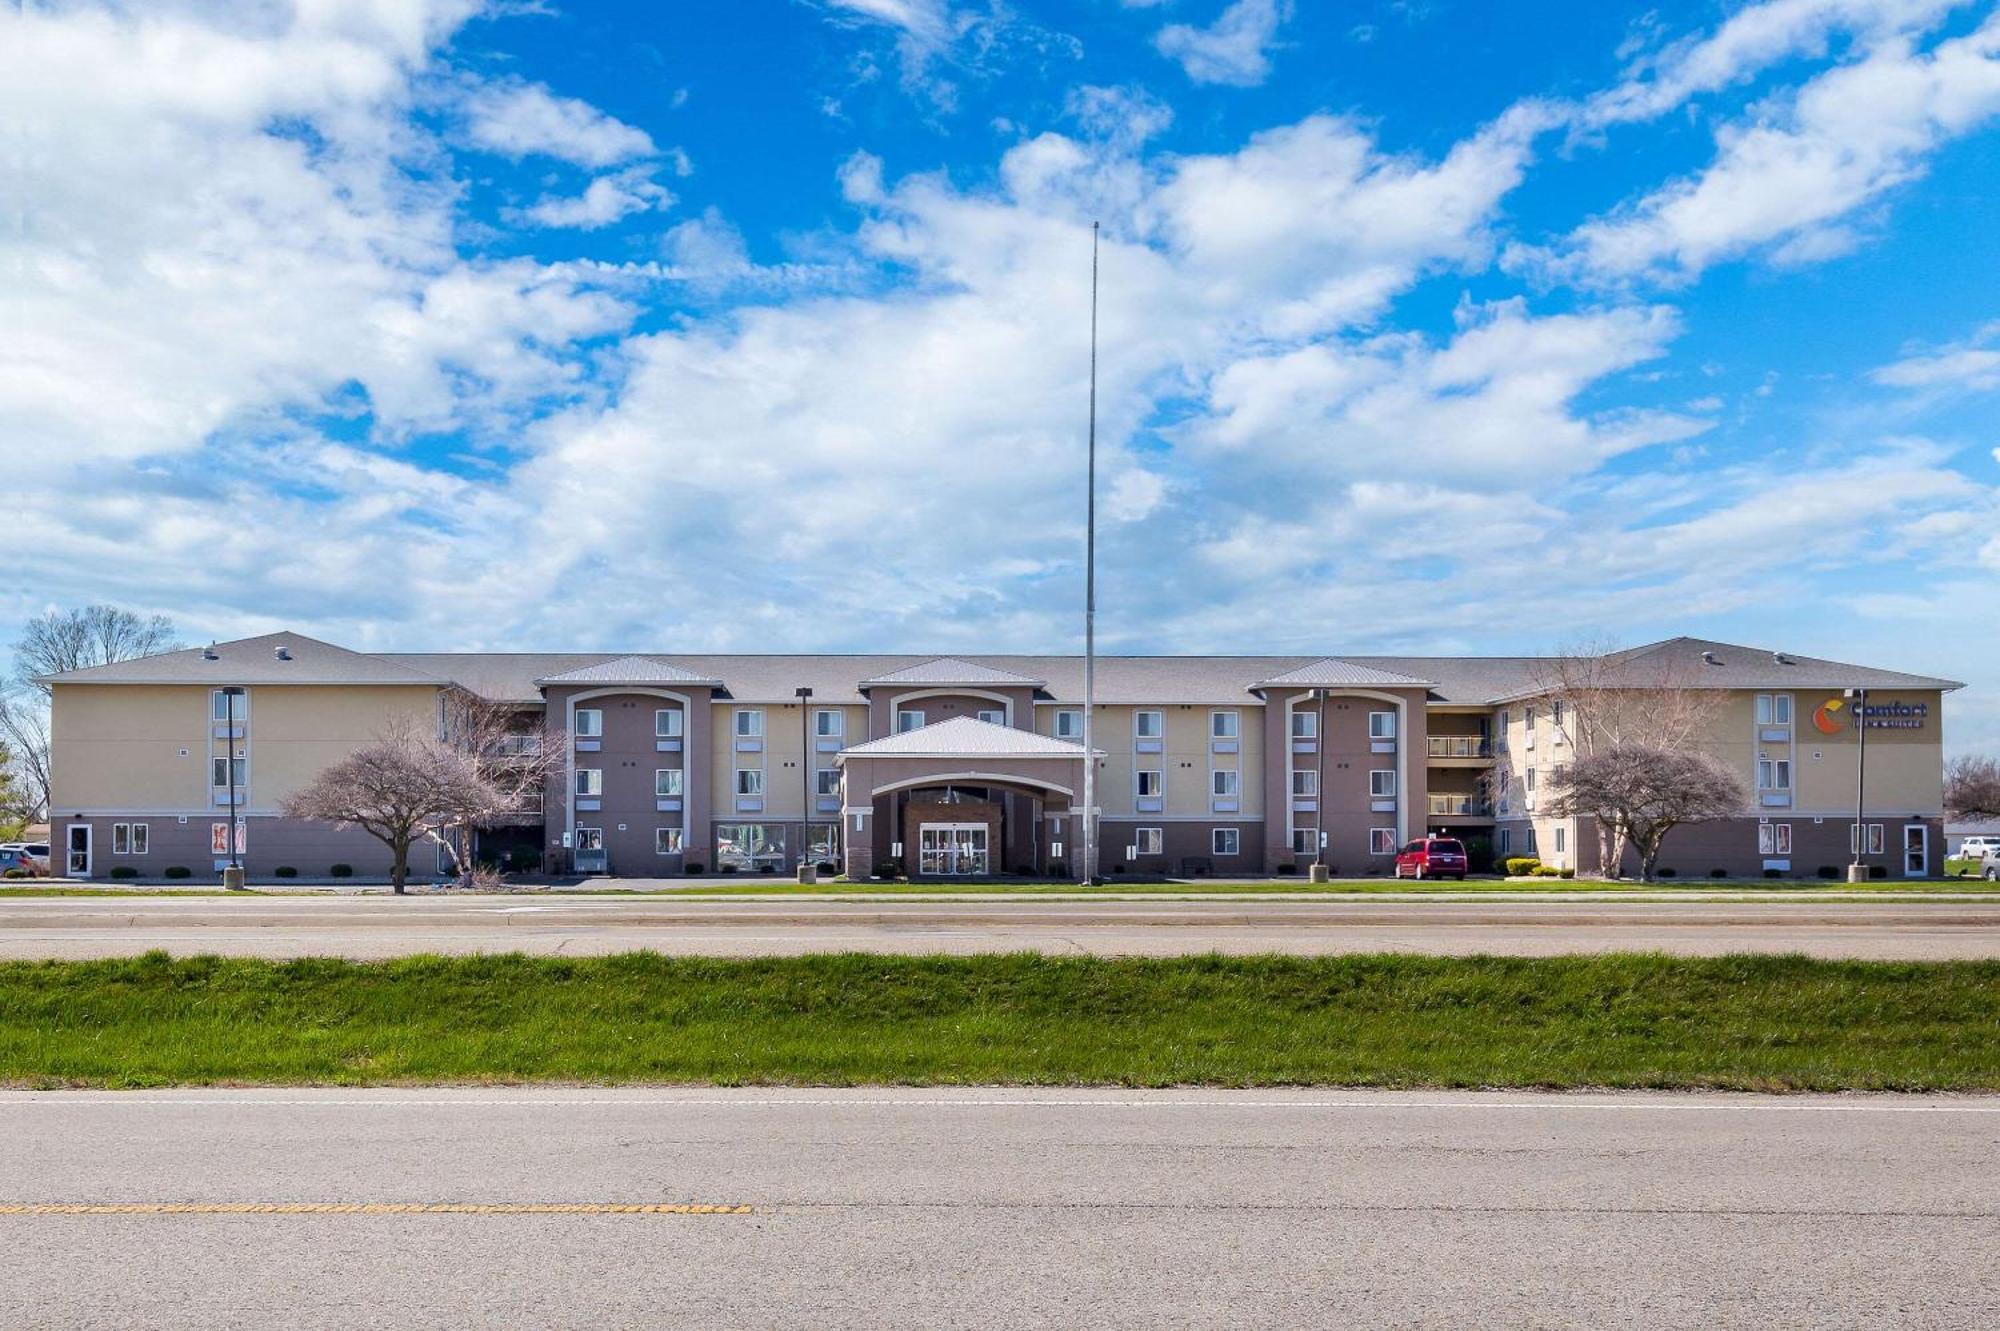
{"type": "Point", "coordinates": [953, 850]}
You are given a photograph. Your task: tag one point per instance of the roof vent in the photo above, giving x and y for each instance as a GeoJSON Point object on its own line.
{"type": "Point", "coordinates": [282, 652]}
{"type": "Point", "coordinates": [1779, 658]}
{"type": "Point", "coordinates": [209, 653]}
{"type": "Point", "coordinates": [1711, 658]}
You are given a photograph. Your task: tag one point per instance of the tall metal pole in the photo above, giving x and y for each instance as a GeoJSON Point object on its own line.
{"type": "Point", "coordinates": [229, 696]}
{"type": "Point", "coordinates": [1319, 781]}
{"type": "Point", "coordinates": [1090, 599]}
{"type": "Point", "coordinates": [1860, 697]}
{"type": "Point", "coordinates": [808, 764]}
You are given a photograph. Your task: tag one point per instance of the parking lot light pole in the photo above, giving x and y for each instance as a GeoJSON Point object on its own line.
{"type": "Point", "coordinates": [807, 873]}
{"type": "Point", "coordinates": [232, 877]}
{"type": "Point", "coordinates": [1857, 872]}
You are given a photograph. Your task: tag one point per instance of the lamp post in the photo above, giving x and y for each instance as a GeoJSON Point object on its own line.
{"type": "Point", "coordinates": [232, 877]}
{"type": "Point", "coordinates": [1319, 873]}
{"type": "Point", "coordinates": [1089, 829]}
{"type": "Point", "coordinates": [1858, 872]}
{"type": "Point", "coordinates": [807, 873]}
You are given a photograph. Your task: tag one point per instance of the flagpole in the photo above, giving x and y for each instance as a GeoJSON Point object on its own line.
{"type": "Point", "coordinates": [1090, 599]}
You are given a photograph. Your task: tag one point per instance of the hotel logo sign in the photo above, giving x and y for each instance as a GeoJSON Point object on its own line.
{"type": "Point", "coordinates": [1838, 714]}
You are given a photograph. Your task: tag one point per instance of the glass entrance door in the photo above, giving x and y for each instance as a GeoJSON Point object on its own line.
{"type": "Point", "coordinates": [952, 850]}
{"type": "Point", "coordinates": [77, 865]}
{"type": "Point", "coordinates": [1916, 850]}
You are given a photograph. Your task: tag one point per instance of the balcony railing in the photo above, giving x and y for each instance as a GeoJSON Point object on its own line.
{"type": "Point", "coordinates": [517, 746]}
{"type": "Point", "coordinates": [1464, 806]}
{"type": "Point", "coordinates": [1461, 746]}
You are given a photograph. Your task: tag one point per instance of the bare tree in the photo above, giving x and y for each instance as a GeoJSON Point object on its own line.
{"type": "Point", "coordinates": [1972, 787]}
{"type": "Point", "coordinates": [1643, 793]}
{"type": "Point", "coordinates": [15, 811]}
{"type": "Point", "coordinates": [515, 755]}
{"type": "Point", "coordinates": [1602, 700]}
{"type": "Point", "coordinates": [52, 643]}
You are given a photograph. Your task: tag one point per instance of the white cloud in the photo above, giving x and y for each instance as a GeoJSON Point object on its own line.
{"type": "Point", "coordinates": [526, 119]}
{"type": "Point", "coordinates": [928, 22]}
{"type": "Point", "coordinates": [1234, 50]}
{"type": "Point", "coordinates": [605, 200]}
{"type": "Point", "coordinates": [1973, 366]}
{"type": "Point", "coordinates": [1788, 179]}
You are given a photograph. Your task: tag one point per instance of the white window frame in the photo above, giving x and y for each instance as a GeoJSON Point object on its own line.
{"type": "Point", "coordinates": [217, 707]}
{"type": "Point", "coordinates": [1774, 838]}
{"type": "Point", "coordinates": [588, 838]}
{"type": "Point", "coordinates": [1225, 841]}
{"type": "Point", "coordinates": [1875, 841]}
{"type": "Point", "coordinates": [1561, 838]}
{"type": "Point", "coordinates": [1381, 841]}
{"type": "Point", "coordinates": [1382, 725]}
{"type": "Point", "coordinates": [121, 838]}
{"type": "Point", "coordinates": [748, 723]}
{"type": "Point", "coordinates": [1159, 783]}
{"type": "Point", "coordinates": [820, 783]}
{"type": "Point", "coordinates": [1505, 841]}
{"type": "Point", "coordinates": [1774, 709]}
{"type": "Point", "coordinates": [1376, 783]}
{"type": "Point", "coordinates": [1150, 840]}
{"type": "Point", "coordinates": [1225, 783]}
{"type": "Point", "coordinates": [668, 840]}
{"type": "Point", "coordinates": [908, 719]}
{"type": "Point", "coordinates": [589, 723]}
{"type": "Point", "coordinates": [1302, 841]}
{"type": "Point", "coordinates": [1225, 724]}
{"type": "Point", "coordinates": [241, 763]}
{"type": "Point", "coordinates": [1774, 774]}
{"type": "Point", "coordinates": [1305, 783]}
{"type": "Point", "coordinates": [1305, 725]}
{"type": "Point", "coordinates": [1159, 720]}
{"type": "Point", "coordinates": [589, 783]}
{"type": "Point", "coordinates": [993, 716]}
{"type": "Point", "coordinates": [821, 715]}
{"type": "Point", "coordinates": [669, 783]}
{"type": "Point", "coordinates": [1528, 727]}
{"type": "Point", "coordinates": [1069, 724]}
{"type": "Point", "coordinates": [753, 786]}
{"type": "Point", "coordinates": [668, 723]}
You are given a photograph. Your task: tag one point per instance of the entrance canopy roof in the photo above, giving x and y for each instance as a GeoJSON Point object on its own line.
{"type": "Point", "coordinates": [965, 737]}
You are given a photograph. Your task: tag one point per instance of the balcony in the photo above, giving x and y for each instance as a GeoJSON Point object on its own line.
{"type": "Point", "coordinates": [1458, 806]}
{"type": "Point", "coordinates": [1460, 746]}
{"type": "Point", "coordinates": [516, 746]}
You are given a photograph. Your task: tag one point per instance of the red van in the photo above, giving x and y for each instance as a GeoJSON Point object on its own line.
{"type": "Point", "coordinates": [1432, 857]}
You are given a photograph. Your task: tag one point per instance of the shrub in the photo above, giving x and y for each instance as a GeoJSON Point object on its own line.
{"type": "Point", "coordinates": [524, 859]}
{"type": "Point", "coordinates": [1878, 871]}
{"type": "Point", "coordinates": [725, 868]}
{"type": "Point", "coordinates": [769, 868]}
{"type": "Point", "coordinates": [828, 866]}
{"type": "Point", "coordinates": [1667, 873]}
{"type": "Point", "coordinates": [1568, 873]}
{"type": "Point", "coordinates": [1773, 873]}
{"type": "Point", "coordinates": [1286, 868]}
{"type": "Point", "coordinates": [179, 871]}
{"type": "Point", "coordinates": [1828, 871]}
{"type": "Point", "coordinates": [342, 871]}
{"type": "Point", "coordinates": [124, 871]}
{"type": "Point", "coordinates": [695, 868]}
{"type": "Point", "coordinates": [1520, 866]}
{"type": "Point", "coordinates": [284, 871]}
{"type": "Point", "coordinates": [1544, 871]}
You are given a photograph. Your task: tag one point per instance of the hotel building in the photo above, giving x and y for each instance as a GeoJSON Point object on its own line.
{"type": "Point", "coordinates": [945, 766]}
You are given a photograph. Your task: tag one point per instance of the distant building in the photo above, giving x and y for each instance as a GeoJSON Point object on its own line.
{"type": "Point", "coordinates": [678, 763]}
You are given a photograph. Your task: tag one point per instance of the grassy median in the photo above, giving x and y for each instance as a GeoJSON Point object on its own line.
{"type": "Point", "coordinates": [1634, 1020]}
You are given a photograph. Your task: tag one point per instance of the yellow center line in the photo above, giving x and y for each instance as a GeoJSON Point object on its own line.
{"type": "Point", "coordinates": [375, 1208]}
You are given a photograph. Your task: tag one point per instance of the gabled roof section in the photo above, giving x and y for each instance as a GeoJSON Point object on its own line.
{"type": "Point", "coordinates": [965, 737]}
{"type": "Point", "coordinates": [1332, 672]}
{"type": "Point", "coordinates": [1703, 663]}
{"type": "Point", "coordinates": [270, 658]}
{"type": "Point", "coordinates": [951, 670]}
{"type": "Point", "coordinates": [631, 670]}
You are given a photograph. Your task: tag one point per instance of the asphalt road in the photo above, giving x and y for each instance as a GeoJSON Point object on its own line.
{"type": "Point", "coordinates": [1005, 1208]}
{"type": "Point", "coordinates": [363, 927]}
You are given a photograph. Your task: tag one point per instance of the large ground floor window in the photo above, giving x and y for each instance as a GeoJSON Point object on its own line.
{"type": "Point", "coordinates": [953, 850]}
{"type": "Point", "coordinates": [750, 847]}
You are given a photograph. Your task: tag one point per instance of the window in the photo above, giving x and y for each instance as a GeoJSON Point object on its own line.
{"type": "Point", "coordinates": [1224, 725]}
{"type": "Point", "coordinates": [1305, 725]}
{"type": "Point", "coordinates": [1500, 735]}
{"type": "Point", "coordinates": [1381, 725]}
{"type": "Point", "coordinates": [220, 774]}
{"type": "Point", "coordinates": [1874, 838]}
{"type": "Point", "coordinates": [1528, 780]}
{"type": "Point", "coordinates": [909, 719]}
{"type": "Point", "coordinates": [1774, 838]}
{"type": "Point", "coordinates": [1148, 725]}
{"type": "Point", "coordinates": [1381, 841]}
{"type": "Point", "coordinates": [750, 781]}
{"type": "Point", "coordinates": [1561, 839]}
{"type": "Point", "coordinates": [1774, 709]}
{"type": "Point", "coordinates": [1382, 783]}
{"type": "Point", "coordinates": [1069, 724]}
{"type": "Point", "coordinates": [221, 703]}
{"type": "Point", "coordinates": [1556, 714]}
{"type": "Point", "coordinates": [590, 781]}
{"type": "Point", "coordinates": [1774, 774]}
{"type": "Point", "coordinates": [589, 723]}
{"type": "Point", "coordinates": [993, 716]}
{"type": "Point", "coordinates": [1528, 723]}
{"type": "Point", "coordinates": [829, 725]}
{"type": "Point", "coordinates": [1225, 784]}
{"type": "Point", "coordinates": [667, 723]}
{"type": "Point", "coordinates": [1225, 841]}
{"type": "Point", "coordinates": [1151, 784]}
{"type": "Point", "coordinates": [129, 838]}
{"type": "Point", "coordinates": [826, 781]}
{"type": "Point", "coordinates": [749, 723]}
{"type": "Point", "coordinates": [1305, 783]}
{"type": "Point", "coordinates": [1302, 841]}
{"type": "Point", "coordinates": [749, 845]}
{"type": "Point", "coordinates": [1506, 839]}
{"type": "Point", "coordinates": [667, 840]}
{"type": "Point", "coordinates": [1150, 840]}
{"type": "Point", "coordinates": [590, 838]}
{"type": "Point", "coordinates": [667, 783]}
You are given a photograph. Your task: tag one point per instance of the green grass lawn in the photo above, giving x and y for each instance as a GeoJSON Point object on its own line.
{"type": "Point", "coordinates": [1630, 1020]}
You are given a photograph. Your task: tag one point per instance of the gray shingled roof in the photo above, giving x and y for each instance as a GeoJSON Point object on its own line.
{"type": "Point", "coordinates": [254, 661]}
{"type": "Point", "coordinates": [965, 736]}
{"type": "Point", "coordinates": [630, 670]}
{"type": "Point", "coordinates": [1703, 663]}
{"type": "Point", "coordinates": [1334, 672]}
{"type": "Point", "coordinates": [951, 670]}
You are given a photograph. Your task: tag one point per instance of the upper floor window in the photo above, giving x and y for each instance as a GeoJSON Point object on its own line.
{"type": "Point", "coordinates": [828, 724]}
{"type": "Point", "coordinates": [1069, 724]}
{"type": "Point", "coordinates": [667, 723]}
{"type": "Point", "coordinates": [1151, 784]}
{"type": "Point", "coordinates": [909, 719]}
{"type": "Point", "coordinates": [826, 781]}
{"type": "Point", "coordinates": [749, 780]}
{"type": "Point", "coordinates": [1528, 727]}
{"type": "Point", "coordinates": [1149, 725]}
{"type": "Point", "coordinates": [223, 769]}
{"type": "Point", "coordinates": [993, 716]}
{"type": "Point", "coordinates": [667, 783]}
{"type": "Point", "coordinates": [1381, 725]}
{"type": "Point", "coordinates": [1225, 725]}
{"type": "Point", "coordinates": [223, 705]}
{"type": "Point", "coordinates": [1225, 784]}
{"type": "Point", "coordinates": [589, 723]}
{"type": "Point", "coordinates": [749, 723]}
{"type": "Point", "coordinates": [590, 781]}
{"type": "Point", "coordinates": [1305, 725]}
{"type": "Point", "coordinates": [1305, 783]}
{"type": "Point", "coordinates": [1382, 783]}
{"type": "Point", "coordinates": [1774, 709]}
{"type": "Point", "coordinates": [1774, 774]}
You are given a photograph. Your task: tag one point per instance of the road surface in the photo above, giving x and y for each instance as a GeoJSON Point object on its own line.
{"type": "Point", "coordinates": [974, 1208]}
{"type": "Point", "coordinates": [365, 927]}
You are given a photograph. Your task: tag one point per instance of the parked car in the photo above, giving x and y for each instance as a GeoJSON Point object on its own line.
{"type": "Point", "coordinates": [1976, 847]}
{"type": "Point", "coordinates": [1987, 866]}
{"type": "Point", "coordinates": [17, 857]}
{"type": "Point", "coordinates": [1432, 857]}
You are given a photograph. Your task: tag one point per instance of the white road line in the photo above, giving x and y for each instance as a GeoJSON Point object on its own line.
{"type": "Point", "coordinates": [74, 1099]}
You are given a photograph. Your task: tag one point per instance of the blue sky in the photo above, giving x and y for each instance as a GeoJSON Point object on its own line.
{"type": "Point", "coordinates": [759, 326]}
